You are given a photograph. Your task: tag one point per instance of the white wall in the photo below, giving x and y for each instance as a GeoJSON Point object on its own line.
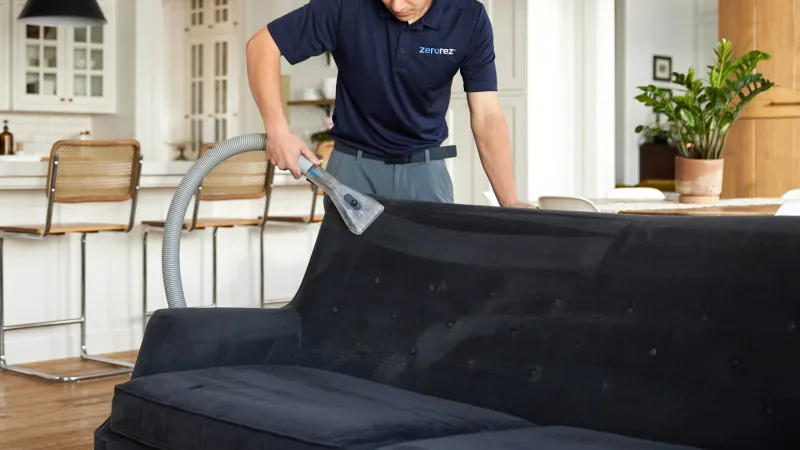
{"type": "Point", "coordinates": [122, 124]}
{"type": "Point", "coordinates": [685, 30]}
{"type": "Point", "coordinates": [570, 98]}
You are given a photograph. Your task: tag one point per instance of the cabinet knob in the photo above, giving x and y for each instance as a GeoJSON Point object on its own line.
{"type": "Point", "coordinates": [70, 99]}
{"type": "Point", "coordinates": [63, 99]}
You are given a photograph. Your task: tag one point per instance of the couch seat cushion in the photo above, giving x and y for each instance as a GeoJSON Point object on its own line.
{"type": "Point", "coordinates": [541, 438]}
{"type": "Point", "coordinates": [284, 407]}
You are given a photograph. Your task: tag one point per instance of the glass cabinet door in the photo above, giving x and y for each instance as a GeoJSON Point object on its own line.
{"type": "Point", "coordinates": [87, 60]}
{"type": "Point", "coordinates": [210, 73]}
{"type": "Point", "coordinates": [42, 62]}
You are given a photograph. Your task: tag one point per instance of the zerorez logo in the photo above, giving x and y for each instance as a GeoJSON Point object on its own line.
{"type": "Point", "coordinates": [437, 51]}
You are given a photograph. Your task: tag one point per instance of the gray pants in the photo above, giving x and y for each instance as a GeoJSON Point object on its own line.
{"type": "Point", "coordinates": [423, 181]}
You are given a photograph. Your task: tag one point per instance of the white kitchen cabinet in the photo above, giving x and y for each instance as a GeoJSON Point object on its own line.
{"type": "Point", "coordinates": [207, 64]}
{"type": "Point", "coordinates": [5, 50]}
{"type": "Point", "coordinates": [64, 69]}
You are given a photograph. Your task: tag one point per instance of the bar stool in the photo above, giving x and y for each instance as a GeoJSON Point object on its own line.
{"type": "Point", "coordinates": [79, 172]}
{"type": "Point", "coordinates": [246, 176]}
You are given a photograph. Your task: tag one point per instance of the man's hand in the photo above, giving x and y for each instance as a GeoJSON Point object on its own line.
{"type": "Point", "coordinates": [490, 130]}
{"type": "Point", "coordinates": [284, 149]}
{"type": "Point", "coordinates": [524, 205]}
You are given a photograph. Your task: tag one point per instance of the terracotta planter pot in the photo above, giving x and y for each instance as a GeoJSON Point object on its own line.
{"type": "Point", "coordinates": [698, 180]}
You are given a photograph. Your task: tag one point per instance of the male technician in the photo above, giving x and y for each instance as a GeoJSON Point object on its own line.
{"type": "Point", "coordinates": [396, 60]}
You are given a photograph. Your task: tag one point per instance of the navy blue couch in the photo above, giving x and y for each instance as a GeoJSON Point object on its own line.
{"type": "Point", "coordinates": [461, 327]}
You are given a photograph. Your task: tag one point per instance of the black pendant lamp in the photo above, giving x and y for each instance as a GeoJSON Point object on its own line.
{"type": "Point", "coordinates": [62, 13]}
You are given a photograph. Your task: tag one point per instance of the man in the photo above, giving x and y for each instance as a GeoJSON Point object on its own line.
{"type": "Point", "coordinates": [397, 60]}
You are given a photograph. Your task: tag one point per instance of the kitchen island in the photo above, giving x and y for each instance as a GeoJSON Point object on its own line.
{"type": "Point", "coordinates": [42, 278]}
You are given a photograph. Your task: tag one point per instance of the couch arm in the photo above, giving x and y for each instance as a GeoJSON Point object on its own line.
{"type": "Point", "coordinates": [195, 338]}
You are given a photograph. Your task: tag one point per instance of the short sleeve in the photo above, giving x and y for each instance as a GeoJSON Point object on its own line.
{"type": "Point", "coordinates": [307, 31]}
{"type": "Point", "coordinates": [478, 69]}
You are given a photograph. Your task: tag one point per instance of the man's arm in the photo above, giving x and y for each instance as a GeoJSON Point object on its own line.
{"type": "Point", "coordinates": [305, 32]}
{"type": "Point", "coordinates": [490, 129]}
{"type": "Point", "coordinates": [264, 76]}
{"type": "Point", "coordinates": [489, 126]}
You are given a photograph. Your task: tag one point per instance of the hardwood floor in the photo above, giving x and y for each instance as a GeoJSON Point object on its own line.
{"type": "Point", "coordinates": [38, 415]}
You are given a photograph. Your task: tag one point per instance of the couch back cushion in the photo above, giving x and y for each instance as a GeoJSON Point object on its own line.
{"type": "Point", "coordinates": [682, 330]}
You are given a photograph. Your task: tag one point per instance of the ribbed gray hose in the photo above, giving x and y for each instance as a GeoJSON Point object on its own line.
{"type": "Point", "coordinates": [171, 244]}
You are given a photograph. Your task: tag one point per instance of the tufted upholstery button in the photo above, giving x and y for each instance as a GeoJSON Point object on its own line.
{"type": "Point", "coordinates": [629, 309]}
{"type": "Point", "coordinates": [335, 309]}
{"type": "Point", "coordinates": [769, 411]}
{"type": "Point", "coordinates": [792, 326]}
{"type": "Point", "coordinates": [653, 351]}
{"type": "Point", "coordinates": [394, 315]}
{"type": "Point", "coordinates": [578, 344]}
{"type": "Point", "coordinates": [377, 280]}
{"type": "Point", "coordinates": [471, 363]}
{"type": "Point", "coordinates": [734, 362]}
{"type": "Point", "coordinates": [514, 331]}
{"type": "Point", "coordinates": [450, 324]}
{"type": "Point", "coordinates": [535, 373]}
{"type": "Point", "coordinates": [413, 350]}
{"type": "Point", "coordinates": [431, 288]}
{"type": "Point", "coordinates": [704, 317]}
{"type": "Point", "coordinates": [605, 386]}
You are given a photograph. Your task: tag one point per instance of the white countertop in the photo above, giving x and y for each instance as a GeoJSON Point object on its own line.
{"type": "Point", "coordinates": [29, 172]}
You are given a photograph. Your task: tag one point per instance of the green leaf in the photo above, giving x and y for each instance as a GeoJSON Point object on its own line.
{"type": "Point", "coordinates": [700, 112]}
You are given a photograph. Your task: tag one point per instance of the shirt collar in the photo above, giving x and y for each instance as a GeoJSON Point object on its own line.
{"type": "Point", "coordinates": [431, 19]}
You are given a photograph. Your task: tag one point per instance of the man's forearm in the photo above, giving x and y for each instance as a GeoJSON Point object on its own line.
{"type": "Point", "coordinates": [264, 76]}
{"type": "Point", "coordinates": [494, 149]}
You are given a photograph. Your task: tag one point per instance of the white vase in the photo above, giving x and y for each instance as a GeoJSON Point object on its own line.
{"type": "Point", "coordinates": [329, 87]}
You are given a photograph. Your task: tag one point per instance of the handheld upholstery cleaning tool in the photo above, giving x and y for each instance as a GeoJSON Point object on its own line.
{"type": "Point", "coordinates": [356, 209]}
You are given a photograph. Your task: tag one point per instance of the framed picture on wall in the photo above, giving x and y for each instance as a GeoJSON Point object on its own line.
{"type": "Point", "coordinates": [662, 68]}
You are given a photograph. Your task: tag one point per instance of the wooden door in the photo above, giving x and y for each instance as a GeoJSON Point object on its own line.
{"type": "Point", "coordinates": [761, 156]}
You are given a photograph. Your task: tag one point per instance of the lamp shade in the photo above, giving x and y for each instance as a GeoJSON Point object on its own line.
{"type": "Point", "coordinates": [62, 13]}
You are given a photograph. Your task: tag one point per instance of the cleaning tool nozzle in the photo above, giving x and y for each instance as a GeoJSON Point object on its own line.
{"type": "Point", "coordinates": [357, 210]}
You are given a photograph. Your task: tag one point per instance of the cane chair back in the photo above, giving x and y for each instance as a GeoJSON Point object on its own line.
{"type": "Point", "coordinates": [241, 177]}
{"type": "Point", "coordinates": [93, 171]}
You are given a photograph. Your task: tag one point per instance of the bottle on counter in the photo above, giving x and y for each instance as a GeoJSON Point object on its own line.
{"type": "Point", "coordinates": [6, 140]}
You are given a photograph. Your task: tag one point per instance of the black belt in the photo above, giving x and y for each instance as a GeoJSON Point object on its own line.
{"type": "Point", "coordinates": [448, 151]}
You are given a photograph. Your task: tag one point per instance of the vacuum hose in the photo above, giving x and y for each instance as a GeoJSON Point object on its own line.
{"type": "Point", "coordinates": [357, 210]}
{"type": "Point", "coordinates": [171, 244]}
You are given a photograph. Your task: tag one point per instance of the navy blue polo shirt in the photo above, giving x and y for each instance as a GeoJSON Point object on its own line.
{"type": "Point", "coordinates": [394, 78]}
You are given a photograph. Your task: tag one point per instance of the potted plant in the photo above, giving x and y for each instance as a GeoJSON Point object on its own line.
{"type": "Point", "coordinates": [702, 112]}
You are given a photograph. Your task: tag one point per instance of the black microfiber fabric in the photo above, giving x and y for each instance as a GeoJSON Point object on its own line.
{"type": "Point", "coordinates": [674, 330]}
{"type": "Point", "coordinates": [105, 439]}
{"type": "Point", "coordinates": [543, 438]}
{"type": "Point", "coordinates": [197, 338]}
{"type": "Point", "coordinates": [285, 407]}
